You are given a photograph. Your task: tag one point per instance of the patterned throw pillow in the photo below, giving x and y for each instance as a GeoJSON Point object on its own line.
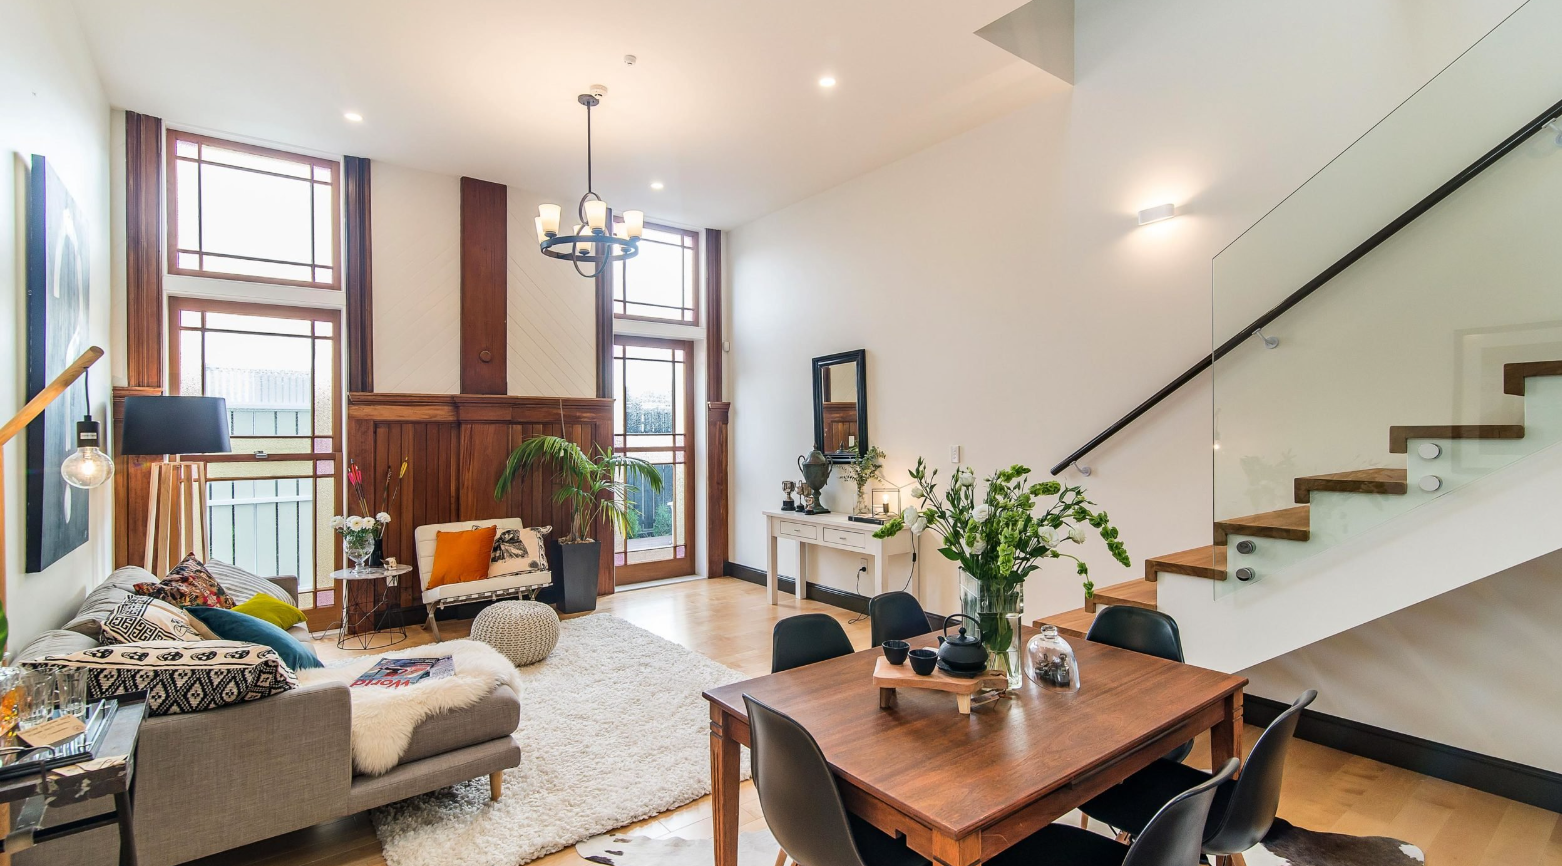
{"type": "Point", "coordinates": [189, 584]}
{"type": "Point", "coordinates": [179, 677]}
{"type": "Point", "coordinates": [517, 551]}
{"type": "Point", "coordinates": [142, 617]}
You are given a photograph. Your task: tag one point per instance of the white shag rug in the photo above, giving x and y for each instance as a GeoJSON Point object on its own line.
{"type": "Point", "coordinates": [754, 849]}
{"type": "Point", "coordinates": [613, 730]}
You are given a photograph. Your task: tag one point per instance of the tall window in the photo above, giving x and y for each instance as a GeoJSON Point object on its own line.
{"type": "Point", "coordinates": [269, 502]}
{"type": "Point", "coordinates": [652, 420]}
{"type": "Point", "coordinates": [661, 284]}
{"type": "Point", "coordinates": [251, 213]}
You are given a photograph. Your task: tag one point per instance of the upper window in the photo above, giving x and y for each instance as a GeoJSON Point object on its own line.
{"type": "Point", "coordinates": [251, 213]}
{"type": "Point", "coordinates": [661, 284]}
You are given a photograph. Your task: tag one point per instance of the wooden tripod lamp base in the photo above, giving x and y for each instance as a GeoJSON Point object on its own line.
{"type": "Point", "coordinates": [176, 516]}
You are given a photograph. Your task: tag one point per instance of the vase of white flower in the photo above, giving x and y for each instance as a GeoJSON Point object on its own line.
{"type": "Point", "coordinates": [999, 536]}
{"type": "Point", "coordinates": [361, 537]}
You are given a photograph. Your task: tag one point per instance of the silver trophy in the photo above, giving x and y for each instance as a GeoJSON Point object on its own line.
{"type": "Point", "coordinates": [788, 504]}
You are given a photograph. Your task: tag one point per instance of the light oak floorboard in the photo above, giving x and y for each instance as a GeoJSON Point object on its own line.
{"type": "Point", "coordinates": [729, 621]}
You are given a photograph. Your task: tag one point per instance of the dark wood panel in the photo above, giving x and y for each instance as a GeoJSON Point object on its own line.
{"type": "Point", "coordinates": [715, 333]}
{"type": "Point", "coordinates": [718, 451]}
{"type": "Point", "coordinates": [604, 330]}
{"type": "Point", "coordinates": [359, 277]}
{"type": "Point", "coordinates": [143, 250]}
{"type": "Point", "coordinates": [840, 425]}
{"type": "Point", "coordinates": [483, 253]}
{"type": "Point", "coordinates": [457, 445]}
{"type": "Point", "coordinates": [132, 485]}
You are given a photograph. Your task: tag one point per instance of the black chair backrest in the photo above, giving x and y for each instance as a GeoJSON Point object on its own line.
{"type": "Point", "coordinates": [1256, 794]}
{"type": "Point", "coordinates": [1135, 628]}
{"type": "Point", "coordinates": [896, 616]}
{"type": "Point", "coordinates": [1175, 836]}
{"type": "Point", "coordinates": [797, 791]}
{"type": "Point", "coordinates": [805, 639]}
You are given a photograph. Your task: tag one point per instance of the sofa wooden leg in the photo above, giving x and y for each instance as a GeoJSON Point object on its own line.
{"type": "Point", "coordinates": [431, 624]}
{"type": "Point", "coordinates": [495, 785]}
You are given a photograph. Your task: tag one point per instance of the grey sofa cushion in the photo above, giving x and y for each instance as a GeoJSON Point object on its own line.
{"type": "Point", "coordinates": [493, 717]}
{"type": "Point", "coordinates": [56, 642]}
{"type": "Point", "coordinates": [101, 601]}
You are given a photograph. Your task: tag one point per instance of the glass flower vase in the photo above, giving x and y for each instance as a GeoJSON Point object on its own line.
{"type": "Point", "coordinates": [357, 547]}
{"type": "Point", "coordinates": [997, 606]}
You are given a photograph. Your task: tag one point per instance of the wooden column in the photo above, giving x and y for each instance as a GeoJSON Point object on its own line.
{"type": "Point", "coordinates": [715, 331]}
{"type": "Point", "coordinates": [718, 453]}
{"type": "Point", "coordinates": [359, 278]}
{"type": "Point", "coordinates": [132, 487]}
{"type": "Point", "coordinates": [604, 293]}
{"type": "Point", "coordinates": [483, 255]}
{"type": "Point", "coordinates": [143, 250]}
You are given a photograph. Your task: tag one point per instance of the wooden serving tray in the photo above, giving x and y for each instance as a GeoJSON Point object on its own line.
{"type": "Point", "coordinates": [890, 677]}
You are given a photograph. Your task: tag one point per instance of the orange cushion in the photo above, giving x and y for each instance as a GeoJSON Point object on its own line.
{"type": "Point", "coordinates": [462, 556]}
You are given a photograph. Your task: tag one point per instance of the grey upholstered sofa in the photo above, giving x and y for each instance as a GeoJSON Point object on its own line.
{"type": "Point", "coordinates": [211, 781]}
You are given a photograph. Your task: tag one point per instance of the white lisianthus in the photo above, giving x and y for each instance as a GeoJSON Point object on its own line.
{"type": "Point", "coordinates": [909, 515]}
{"type": "Point", "coordinates": [981, 513]}
{"type": "Point", "coordinates": [1077, 535]}
{"type": "Point", "coordinates": [1048, 536]}
{"type": "Point", "coordinates": [978, 547]}
{"type": "Point", "coordinates": [919, 526]}
{"type": "Point", "coordinates": [337, 522]}
{"type": "Point", "coordinates": [967, 477]}
{"type": "Point", "coordinates": [382, 517]}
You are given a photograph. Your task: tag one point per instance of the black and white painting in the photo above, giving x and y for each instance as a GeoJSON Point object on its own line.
{"type": "Point", "coordinates": [57, 291]}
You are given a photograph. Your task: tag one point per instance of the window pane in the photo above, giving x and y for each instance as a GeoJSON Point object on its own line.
{"type": "Point", "coordinates": [214, 153]}
{"type": "Point", "coordinates": [258, 215]}
{"type": "Point", "coordinates": [261, 469]}
{"type": "Point", "coordinates": [648, 397]}
{"type": "Point", "coordinates": [187, 234]}
{"type": "Point", "coordinates": [187, 148]}
{"type": "Point", "coordinates": [323, 173]}
{"type": "Point", "coordinates": [190, 261]}
{"type": "Point", "coordinates": [270, 444]}
{"type": "Point", "coordinates": [223, 264]}
{"type": "Point", "coordinates": [265, 379]}
{"type": "Point", "coordinates": [325, 540]}
{"type": "Point", "coordinates": [259, 324]}
{"type": "Point", "coordinates": [190, 318]}
{"type": "Point", "coordinates": [190, 363]}
{"type": "Point", "coordinates": [324, 399]}
{"type": "Point", "coordinates": [322, 329]}
{"type": "Point", "coordinates": [324, 196]}
{"type": "Point", "coordinates": [656, 277]}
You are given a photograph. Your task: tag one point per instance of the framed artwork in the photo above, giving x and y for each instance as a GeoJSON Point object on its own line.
{"type": "Point", "coordinates": [58, 285]}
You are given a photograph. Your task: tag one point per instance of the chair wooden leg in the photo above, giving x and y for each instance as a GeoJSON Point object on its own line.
{"type": "Point", "coordinates": [1084, 821]}
{"type": "Point", "coordinates": [495, 785]}
{"type": "Point", "coordinates": [1237, 860]}
{"type": "Point", "coordinates": [780, 858]}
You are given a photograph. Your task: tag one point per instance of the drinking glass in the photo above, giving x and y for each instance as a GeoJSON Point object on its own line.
{"type": "Point", "coordinates": [10, 699]}
{"type": "Point", "coordinates": [71, 686]}
{"type": "Point", "coordinates": [37, 699]}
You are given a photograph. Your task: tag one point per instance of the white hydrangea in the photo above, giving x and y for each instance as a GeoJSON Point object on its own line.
{"type": "Point", "coordinates": [1077, 535]}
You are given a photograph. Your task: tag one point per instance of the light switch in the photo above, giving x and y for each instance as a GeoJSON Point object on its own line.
{"type": "Point", "coordinates": [954, 454]}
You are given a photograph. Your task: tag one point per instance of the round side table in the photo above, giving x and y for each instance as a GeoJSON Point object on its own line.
{"type": "Point", "coordinates": [367, 613]}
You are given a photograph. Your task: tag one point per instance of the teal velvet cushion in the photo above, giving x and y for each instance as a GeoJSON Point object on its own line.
{"type": "Point", "coordinates": [232, 625]}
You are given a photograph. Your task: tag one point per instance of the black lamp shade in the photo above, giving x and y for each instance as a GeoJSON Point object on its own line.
{"type": "Point", "coordinates": [175, 425]}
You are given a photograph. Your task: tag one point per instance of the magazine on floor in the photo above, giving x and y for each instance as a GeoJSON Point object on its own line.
{"type": "Point", "coordinates": [400, 673]}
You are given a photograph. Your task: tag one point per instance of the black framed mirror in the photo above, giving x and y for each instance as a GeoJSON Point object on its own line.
{"type": "Point", "coordinates": [841, 405]}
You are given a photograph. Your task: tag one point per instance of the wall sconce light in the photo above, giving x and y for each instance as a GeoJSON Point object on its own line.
{"type": "Point", "coordinates": [1157, 213]}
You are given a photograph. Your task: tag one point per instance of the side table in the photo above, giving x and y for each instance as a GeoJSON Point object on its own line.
{"type": "Point", "coordinates": [357, 615]}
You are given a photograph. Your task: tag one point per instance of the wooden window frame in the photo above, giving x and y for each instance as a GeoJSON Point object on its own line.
{"type": "Point", "coordinates": [694, 308]}
{"type": "Point", "coordinates": [675, 567]}
{"type": "Point", "coordinates": [171, 227]}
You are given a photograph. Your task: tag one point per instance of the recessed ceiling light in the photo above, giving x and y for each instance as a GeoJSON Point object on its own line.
{"type": "Point", "coordinates": [353, 117]}
{"type": "Point", "coordinates": [827, 81]}
{"type": "Point", "coordinates": [656, 184]}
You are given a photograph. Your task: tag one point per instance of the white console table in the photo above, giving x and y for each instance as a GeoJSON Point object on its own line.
{"type": "Point", "coordinates": [829, 530]}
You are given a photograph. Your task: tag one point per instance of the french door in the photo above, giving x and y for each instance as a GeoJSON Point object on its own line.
{"type": "Point", "coordinates": [653, 419]}
{"type": "Point", "coordinates": [269, 501]}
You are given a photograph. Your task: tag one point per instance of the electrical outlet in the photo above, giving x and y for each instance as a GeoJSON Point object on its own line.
{"type": "Point", "coordinates": [954, 454]}
{"type": "Point", "coordinates": [862, 565]}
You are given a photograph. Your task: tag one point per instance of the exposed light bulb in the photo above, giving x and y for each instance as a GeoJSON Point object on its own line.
{"type": "Point", "coordinates": [88, 467]}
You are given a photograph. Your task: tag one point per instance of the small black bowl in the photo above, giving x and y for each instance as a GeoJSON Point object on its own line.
{"type": "Point", "coordinates": [895, 651]}
{"type": "Point", "coordinates": [923, 661]}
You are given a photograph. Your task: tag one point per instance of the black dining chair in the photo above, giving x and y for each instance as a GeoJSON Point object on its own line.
{"type": "Point", "coordinates": [1173, 837]}
{"type": "Point", "coordinates": [896, 616]}
{"type": "Point", "coordinates": [1244, 809]}
{"type": "Point", "coordinates": [802, 805]}
{"type": "Point", "coordinates": [1143, 631]}
{"type": "Point", "coordinates": [805, 639]}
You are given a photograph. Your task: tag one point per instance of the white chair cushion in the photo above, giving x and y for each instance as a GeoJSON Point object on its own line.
{"type": "Point", "coordinates": [486, 585]}
{"type": "Point", "coordinates": [424, 538]}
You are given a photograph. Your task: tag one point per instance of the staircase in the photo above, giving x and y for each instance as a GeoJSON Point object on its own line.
{"type": "Point", "coordinates": [1439, 460]}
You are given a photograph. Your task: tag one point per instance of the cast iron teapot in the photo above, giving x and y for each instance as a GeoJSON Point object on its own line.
{"type": "Point", "coordinates": [962, 655]}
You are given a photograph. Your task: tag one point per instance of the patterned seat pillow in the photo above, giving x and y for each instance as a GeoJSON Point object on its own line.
{"type": "Point", "coordinates": [518, 551]}
{"type": "Point", "coordinates": [177, 676]}
{"type": "Point", "coordinates": [189, 584]}
{"type": "Point", "coordinates": [141, 617]}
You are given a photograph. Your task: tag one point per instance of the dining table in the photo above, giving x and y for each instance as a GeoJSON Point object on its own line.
{"type": "Point", "coordinates": [960, 789]}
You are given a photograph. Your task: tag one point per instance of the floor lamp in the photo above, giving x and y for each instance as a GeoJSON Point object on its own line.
{"type": "Point", "coordinates": [176, 508]}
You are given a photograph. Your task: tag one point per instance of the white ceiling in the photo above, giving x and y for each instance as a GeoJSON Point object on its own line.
{"type": "Point", "coordinates": [723, 104]}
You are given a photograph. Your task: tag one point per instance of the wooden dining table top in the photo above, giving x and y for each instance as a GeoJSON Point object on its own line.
{"type": "Point", "coordinates": [958, 773]}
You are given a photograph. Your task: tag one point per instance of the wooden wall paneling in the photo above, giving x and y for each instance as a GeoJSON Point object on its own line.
{"type": "Point", "coordinates": [483, 287]}
{"type": "Point", "coordinates": [132, 486]}
{"type": "Point", "coordinates": [718, 450]}
{"type": "Point", "coordinates": [715, 333]}
{"type": "Point", "coordinates": [359, 276]}
{"type": "Point", "coordinates": [143, 250]}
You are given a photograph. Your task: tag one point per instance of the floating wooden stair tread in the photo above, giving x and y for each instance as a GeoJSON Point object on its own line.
{"type": "Point", "coordinates": [1291, 524]}
{"type": "Point", "coordinates": [1070, 623]}
{"type": "Point", "coordinates": [1133, 593]}
{"type": "Point", "coordinates": [1207, 562]}
{"type": "Point", "coordinates": [1513, 375]}
{"type": "Point", "coordinates": [1399, 437]}
{"type": "Point", "coordinates": [1388, 481]}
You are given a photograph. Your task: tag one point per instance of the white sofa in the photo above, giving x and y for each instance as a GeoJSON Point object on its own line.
{"type": "Point", "coordinates": [523, 585]}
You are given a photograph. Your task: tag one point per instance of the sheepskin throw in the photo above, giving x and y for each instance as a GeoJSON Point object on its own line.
{"type": "Point", "coordinates": [383, 719]}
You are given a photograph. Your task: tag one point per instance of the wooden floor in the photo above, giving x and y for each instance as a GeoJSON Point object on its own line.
{"type": "Point", "coordinates": [729, 621]}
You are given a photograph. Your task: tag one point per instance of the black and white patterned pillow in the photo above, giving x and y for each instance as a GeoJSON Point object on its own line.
{"type": "Point", "coordinates": [141, 617]}
{"type": "Point", "coordinates": [178, 676]}
{"type": "Point", "coordinates": [518, 551]}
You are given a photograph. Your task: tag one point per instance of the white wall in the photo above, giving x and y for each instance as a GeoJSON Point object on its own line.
{"type": "Point", "coordinates": [51, 104]}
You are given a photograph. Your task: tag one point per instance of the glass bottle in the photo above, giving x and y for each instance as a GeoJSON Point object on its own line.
{"type": "Point", "coordinates": [1050, 662]}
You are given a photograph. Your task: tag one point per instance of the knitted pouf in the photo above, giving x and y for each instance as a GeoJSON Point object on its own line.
{"type": "Point", "coordinates": [522, 631]}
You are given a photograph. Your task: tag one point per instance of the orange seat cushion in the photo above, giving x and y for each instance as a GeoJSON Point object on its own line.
{"type": "Point", "coordinates": [462, 556]}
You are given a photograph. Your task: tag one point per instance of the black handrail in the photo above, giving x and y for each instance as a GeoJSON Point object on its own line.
{"type": "Point", "coordinates": [1486, 161]}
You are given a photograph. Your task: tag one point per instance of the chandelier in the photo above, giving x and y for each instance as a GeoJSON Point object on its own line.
{"type": "Point", "coordinates": [590, 242]}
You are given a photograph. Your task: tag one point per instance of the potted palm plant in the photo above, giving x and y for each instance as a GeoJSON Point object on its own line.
{"type": "Point", "coordinates": [596, 487]}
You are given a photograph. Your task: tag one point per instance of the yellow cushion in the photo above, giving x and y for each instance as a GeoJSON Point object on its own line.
{"type": "Point", "coordinates": [462, 556]}
{"type": "Point", "coordinates": [273, 610]}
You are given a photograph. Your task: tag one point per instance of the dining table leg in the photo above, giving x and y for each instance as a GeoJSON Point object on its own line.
{"type": "Point", "coordinates": [964, 851]}
{"type": "Point", "coordinates": [1225, 739]}
{"type": "Point", "coordinates": [725, 756]}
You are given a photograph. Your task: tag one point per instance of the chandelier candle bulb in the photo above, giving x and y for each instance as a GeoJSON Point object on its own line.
{"type": "Point", "coordinates": [542, 234]}
{"type": "Point", "coordinates": [548, 218]}
{"type": "Point", "coordinates": [634, 223]}
{"type": "Point", "coordinates": [596, 214]}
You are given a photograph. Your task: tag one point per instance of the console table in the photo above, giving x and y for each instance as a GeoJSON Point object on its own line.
{"type": "Point", "coordinates": [829, 530]}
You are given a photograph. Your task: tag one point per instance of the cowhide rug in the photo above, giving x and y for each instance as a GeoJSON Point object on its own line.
{"type": "Point", "coordinates": [754, 849]}
{"type": "Point", "coordinates": [1289, 845]}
